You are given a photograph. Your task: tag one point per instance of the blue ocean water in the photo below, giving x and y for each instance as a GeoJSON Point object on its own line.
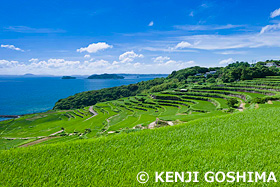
{"type": "Point", "coordinates": [24, 95]}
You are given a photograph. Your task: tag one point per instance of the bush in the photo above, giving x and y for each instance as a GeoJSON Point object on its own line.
{"type": "Point", "coordinates": [232, 102]}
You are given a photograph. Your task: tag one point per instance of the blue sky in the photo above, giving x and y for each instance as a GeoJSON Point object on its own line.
{"type": "Point", "coordinates": [87, 37]}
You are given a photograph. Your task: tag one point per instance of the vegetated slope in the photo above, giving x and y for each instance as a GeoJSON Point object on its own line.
{"type": "Point", "coordinates": [245, 141]}
{"type": "Point", "coordinates": [177, 79]}
{"type": "Point", "coordinates": [106, 76]}
{"type": "Point", "coordinates": [169, 107]}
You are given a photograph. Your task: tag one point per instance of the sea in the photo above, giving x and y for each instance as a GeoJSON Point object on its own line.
{"type": "Point", "coordinates": [32, 94]}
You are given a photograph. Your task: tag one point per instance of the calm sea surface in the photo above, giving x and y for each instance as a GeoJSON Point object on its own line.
{"type": "Point", "coordinates": [23, 95]}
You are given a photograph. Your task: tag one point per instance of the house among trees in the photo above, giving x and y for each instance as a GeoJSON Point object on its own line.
{"type": "Point", "coordinates": [271, 64]}
{"type": "Point", "coordinates": [209, 73]}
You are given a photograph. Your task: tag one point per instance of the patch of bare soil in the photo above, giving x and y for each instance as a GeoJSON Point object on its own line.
{"type": "Point", "coordinates": [37, 141]}
{"type": "Point", "coordinates": [256, 106]}
{"type": "Point", "coordinates": [160, 123]}
{"type": "Point", "coordinates": [241, 107]}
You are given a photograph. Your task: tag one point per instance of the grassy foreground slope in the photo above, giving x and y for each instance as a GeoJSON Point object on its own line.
{"type": "Point", "coordinates": [245, 141]}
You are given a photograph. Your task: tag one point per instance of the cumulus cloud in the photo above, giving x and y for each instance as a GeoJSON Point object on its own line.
{"type": "Point", "coordinates": [161, 59]}
{"type": "Point", "coordinates": [226, 61]}
{"type": "Point", "coordinates": [87, 56]}
{"type": "Point", "coordinates": [94, 47]}
{"type": "Point", "coordinates": [275, 13]}
{"type": "Point", "coordinates": [55, 63]}
{"type": "Point", "coordinates": [97, 64]}
{"type": "Point", "coordinates": [8, 64]}
{"type": "Point", "coordinates": [183, 45]}
{"type": "Point", "coordinates": [68, 67]}
{"type": "Point", "coordinates": [151, 24]}
{"type": "Point", "coordinates": [129, 56]}
{"type": "Point", "coordinates": [11, 47]}
{"type": "Point", "coordinates": [268, 28]}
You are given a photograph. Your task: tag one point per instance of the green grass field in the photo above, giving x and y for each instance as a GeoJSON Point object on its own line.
{"type": "Point", "coordinates": [231, 143]}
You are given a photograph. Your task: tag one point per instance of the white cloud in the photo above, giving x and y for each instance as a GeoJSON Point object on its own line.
{"type": "Point", "coordinates": [206, 27]}
{"type": "Point", "coordinates": [93, 48]}
{"type": "Point", "coordinates": [215, 42]}
{"type": "Point", "coordinates": [204, 5]}
{"type": "Point", "coordinates": [183, 45]}
{"type": "Point", "coordinates": [87, 56]}
{"type": "Point", "coordinates": [11, 47]}
{"type": "Point", "coordinates": [174, 65]}
{"type": "Point", "coordinates": [8, 64]}
{"type": "Point", "coordinates": [97, 64]}
{"type": "Point", "coordinates": [161, 59]}
{"type": "Point", "coordinates": [226, 61]}
{"type": "Point", "coordinates": [191, 14]}
{"type": "Point", "coordinates": [55, 63]}
{"type": "Point", "coordinates": [24, 29]}
{"type": "Point", "coordinates": [231, 52]}
{"type": "Point", "coordinates": [69, 67]}
{"type": "Point", "coordinates": [34, 60]}
{"type": "Point", "coordinates": [275, 13]}
{"type": "Point", "coordinates": [268, 28]}
{"type": "Point", "coordinates": [137, 65]}
{"type": "Point", "coordinates": [129, 56]}
{"type": "Point", "coordinates": [151, 24]}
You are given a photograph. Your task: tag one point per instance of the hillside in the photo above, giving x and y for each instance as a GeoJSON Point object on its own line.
{"type": "Point", "coordinates": [177, 79]}
{"type": "Point", "coordinates": [106, 76]}
{"type": "Point", "coordinates": [134, 113]}
{"type": "Point", "coordinates": [68, 77]}
{"type": "Point", "coordinates": [231, 143]}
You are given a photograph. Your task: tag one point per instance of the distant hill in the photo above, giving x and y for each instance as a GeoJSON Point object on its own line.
{"type": "Point", "coordinates": [106, 76]}
{"type": "Point", "coordinates": [68, 77]}
{"type": "Point", "coordinates": [28, 74]}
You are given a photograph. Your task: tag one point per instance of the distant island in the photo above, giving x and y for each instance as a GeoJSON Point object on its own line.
{"type": "Point", "coordinates": [106, 76]}
{"type": "Point", "coordinates": [68, 77]}
{"type": "Point", "coordinates": [28, 74]}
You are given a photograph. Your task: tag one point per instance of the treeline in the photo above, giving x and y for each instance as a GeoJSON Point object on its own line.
{"type": "Point", "coordinates": [107, 94]}
{"type": "Point", "coordinates": [244, 71]}
{"type": "Point", "coordinates": [177, 79]}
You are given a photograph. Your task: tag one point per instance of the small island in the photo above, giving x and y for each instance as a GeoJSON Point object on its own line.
{"type": "Point", "coordinates": [28, 74]}
{"type": "Point", "coordinates": [68, 77]}
{"type": "Point", "coordinates": [106, 76]}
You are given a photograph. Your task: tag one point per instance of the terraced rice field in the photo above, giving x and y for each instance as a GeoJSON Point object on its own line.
{"type": "Point", "coordinates": [135, 113]}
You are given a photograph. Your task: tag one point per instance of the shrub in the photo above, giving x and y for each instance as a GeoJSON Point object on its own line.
{"type": "Point", "coordinates": [232, 102]}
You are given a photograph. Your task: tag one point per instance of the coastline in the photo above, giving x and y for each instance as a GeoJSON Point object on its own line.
{"type": "Point", "coordinates": [32, 95]}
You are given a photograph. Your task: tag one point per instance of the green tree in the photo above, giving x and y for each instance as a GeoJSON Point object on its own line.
{"type": "Point", "coordinates": [232, 102]}
{"type": "Point", "coordinates": [211, 80]}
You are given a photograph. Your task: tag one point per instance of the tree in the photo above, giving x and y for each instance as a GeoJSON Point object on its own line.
{"type": "Point", "coordinates": [211, 80]}
{"type": "Point", "coordinates": [232, 102]}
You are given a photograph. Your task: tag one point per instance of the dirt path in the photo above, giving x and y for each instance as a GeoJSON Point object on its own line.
{"type": "Point", "coordinates": [241, 107]}
{"type": "Point", "coordinates": [37, 141]}
{"type": "Point", "coordinates": [56, 133]}
{"type": "Point", "coordinates": [108, 125]}
{"type": "Point", "coordinates": [93, 113]}
{"type": "Point", "coordinates": [41, 139]}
